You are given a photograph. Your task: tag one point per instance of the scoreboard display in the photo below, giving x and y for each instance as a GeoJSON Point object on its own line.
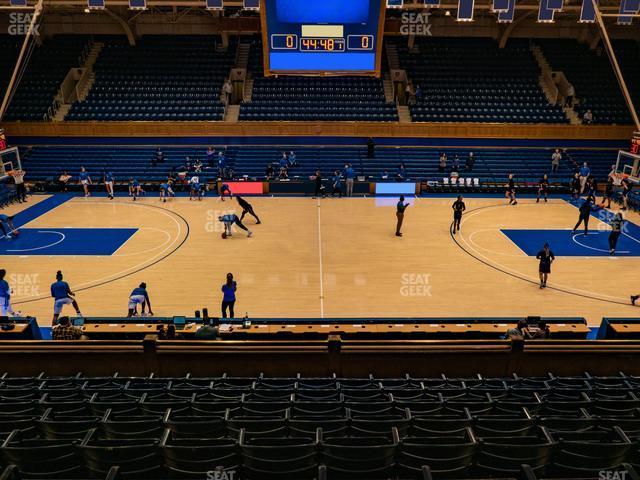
{"type": "Point", "coordinates": [322, 37]}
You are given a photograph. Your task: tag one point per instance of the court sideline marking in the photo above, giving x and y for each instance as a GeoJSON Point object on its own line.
{"type": "Point", "coordinates": [320, 261]}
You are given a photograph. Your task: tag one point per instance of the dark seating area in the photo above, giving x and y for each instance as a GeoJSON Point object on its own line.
{"type": "Point", "coordinates": [74, 427]}
{"type": "Point", "coordinates": [491, 165]}
{"type": "Point", "coordinates": [161, 78]}
{"type": "Point", "coordinates": [591, 74]}
{"type": "Point", "coordinates": [48, 65]}
{"type": "Point", "coordinates": [329, 99]}
{"type": "Point", "coordinates": [472, 80]}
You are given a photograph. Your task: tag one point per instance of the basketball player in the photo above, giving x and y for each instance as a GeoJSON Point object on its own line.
{"type": "Point", "coordinates": [626, 190]}
{"type": "Point", "coordinates": [108, 184]}
{"type": "Point", "coordinates": [18, 179]}
{"type": "Point", "coordinates": [585, 213]}
{"type": "Point", "coordinates": [592, 188]}
{"type": "Point", "coordinates": [543, 188]}
{"type": "Point", "coordinates": [247, 208]}
{"type": "Point", "coordinates": [458, 207]}
{"type": "Point", "coordinates": [617, 224]}
{"type": "Point", "coordinates": [165, 191]}
{"type": "Point", "coordinates": [139, 296]}
{"type": "Point", "coordinates": [224, 188]}
{"type": "Point", "coordinates": [5, 297]}
{"type": "Point", "coordinates": [511, 190]}
{"type": "Point", "coordinates": [7, 222]}
{"type": "Point", "coordinates": [85, 181]}
{"type": "Point", "coordinates": [608, 193]}
{"type": "Point", "coordinates": [546, 258]}
{"type": "Point", "coordinates": [62, 295]}
{"type": "Point", "coordinates": [575, 187]}
{"type": "Point", "coordinates": [194, 191]}
{"type": "Point", "coordinates": [134, 188]}
{"type": "Point", "coordinates": [229, 220]}
{"type": "Point", "coordinates": [400, 208]}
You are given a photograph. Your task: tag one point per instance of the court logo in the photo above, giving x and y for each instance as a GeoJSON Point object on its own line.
{"type": "Point", "coordinates": [612, 475]}
{"type": "Point", "coordinates": [25, 284]}
{"type": "Point", "coordinates": [221, 475]}
{"type": "Point", "coordinates": [19, 24]}
{"type": "Point", "coordinates": [415, 285]}
{"type": "Point", "coordinates": [416, 24]}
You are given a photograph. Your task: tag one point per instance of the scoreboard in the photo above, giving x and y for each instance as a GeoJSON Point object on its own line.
{"type": "Point", "coordinates": [322, 37]}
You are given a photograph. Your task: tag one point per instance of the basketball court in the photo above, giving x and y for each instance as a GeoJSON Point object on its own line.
{"type": "Point", "coordinates": [320, 258]}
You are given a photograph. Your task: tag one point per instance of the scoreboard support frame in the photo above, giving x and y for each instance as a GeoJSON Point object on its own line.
{"type": "Point", "coordinates": [377, 72]}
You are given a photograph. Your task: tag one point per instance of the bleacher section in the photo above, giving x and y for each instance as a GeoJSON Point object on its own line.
{"type": "Point", "coordinates": [161, 78]}
{"type": "Point", "coordinates": [472, 80]}
{"type": "Point", "coordinates": [420, 163]}
{"type": "Point", "coordinates": [9, 48]}
{"type": "Point", "coordinates": [319, 427]}
{"type": "Point", "coordinates": [329, 99]}
{"type": "Point", "coordinates": [47, 68]}
{"type": "Point", "coordinates": [591, 74]}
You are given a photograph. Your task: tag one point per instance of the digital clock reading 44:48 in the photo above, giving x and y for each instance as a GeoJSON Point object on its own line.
{"type": "Point", "coordinates": [323, 37]}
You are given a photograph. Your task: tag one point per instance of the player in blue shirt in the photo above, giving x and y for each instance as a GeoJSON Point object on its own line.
{"type": "Point", "coordinates": [229, 220]}
{"type": "Point", "coordinates": [108, 184]}
{"type": "Point", "coordinates": [139, 296]}
{"type": "Point", "coordinates": [350, 175]}
{"type": "Point", "coordinates": [85, 181]}
{"type": "Point", "coordinates": [194, 191]}
{"type": "Point", "coordinates": [224, 188]}
{"type": "Point", "coordinates": [135, 189]}
{"type": "Point", "coordinates": [337, 184]}
{"type": "Point", "coordinates": [6, 221]}
{"type": "Point", "coordinates": [5, 297]}
{"type": "Point", "coordinates": [229, 296]}
{"type": "Point", "coordinates": [62, 295]}
{"type": "Point", "coordinates": [165, 191]}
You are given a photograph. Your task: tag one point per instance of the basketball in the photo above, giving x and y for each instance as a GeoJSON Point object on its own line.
{"type": "Point", "coordinates": [224, 235]}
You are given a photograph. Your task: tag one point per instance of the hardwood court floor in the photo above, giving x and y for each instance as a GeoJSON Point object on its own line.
{"type": "Point", "coordinates": [328, 258]}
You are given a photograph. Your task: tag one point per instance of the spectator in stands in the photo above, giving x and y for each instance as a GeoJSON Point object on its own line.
{"type": "Point", "coordinates": [284, 161]}
{"type": "Point", "coordinates": [337, 184]}
{"type": "Point", "coordinates": [229, 296]}
{"type": "Point", "coordinates": [63, 180]}
{"type": "Point", "coordinates": [227, 90]}
{"type": "Point", "coordinates": [188, 165]}
{"type": "Point", "coordinates": [385, 175]}
{"type": "Point", "coordinates": [197, 166]}
{"type": "Point", "coordinates": [471, 161]}
{"type": "Point", "coordinates": [222, 164]}
{"type": "Point", "coordinates": [455, 166]}
{"type": "Point", "coordinates": [283, 175]}
{"type": "Point", "coordinates": [269, 173]}
{"type": "Point", "coordinates": [211, 153]}
{"type": "Point", "coordinates": [18, 179]}
{"type": "Point", "coordinates": [65, 331]}
{"type": "Point", "coordinates": [520, 331]}
{"type": "Point", "coordinates": [541, 333]}
{"type": "Point", "coordinates": [350, 175]}
{"type": "Point", "coordinates": [168, 332]}
{"type": "Point", "coordinates": [208, 331]}
{"type": "Point", "coordinates": [569, 99]}
{"type": "Point", "coordinates": [442, 165]}
{"type": "Point", "coordinates": [585, 171]}
{"type": "Point", "coordinates": [371, 148]}
{"type": "Point", "coordinates": [555, 160]}
{"type": "Point", "coordinates": [587, 118]}
{"type": "Point", "coordinates": [410, 94]}
{"type": "Point", "coordinates": [159, 155]}
{"type": "Point", "coordinates": [418, 93]}
{"type": "Point", "coordinates": [292, 161]}
{"type": "Point", "coordinates": [401, 176]}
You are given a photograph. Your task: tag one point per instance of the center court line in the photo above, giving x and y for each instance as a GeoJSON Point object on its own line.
{"type": "Point", "coordinates": [320, 262]}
